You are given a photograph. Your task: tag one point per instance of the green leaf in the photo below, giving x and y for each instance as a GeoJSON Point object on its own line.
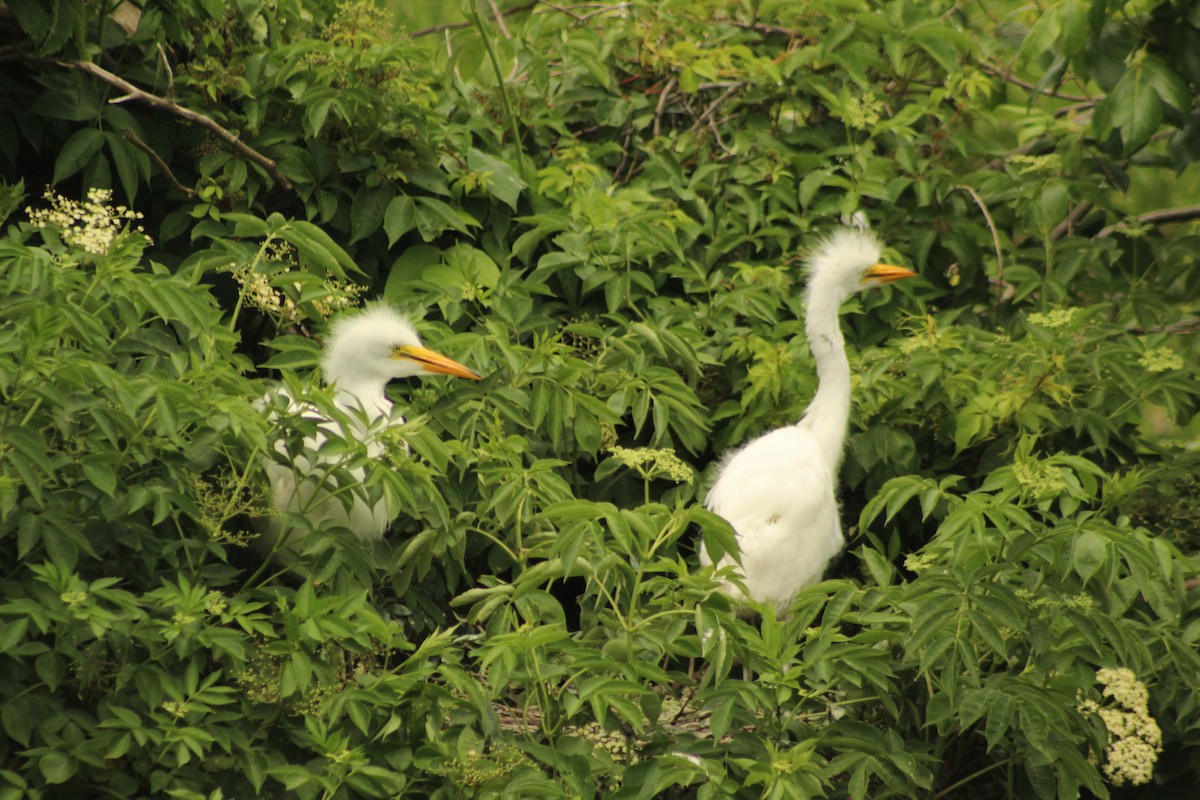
{"type": "Point", "coordinates": [130, 162]}
{"type": "Point", "coordinates": [101, 474]}
{"type": "Point", "coordinates": [1133, 108]}
{"type": "Point", "coordinates": [400, 218]}
{"type": "Point", "coordinates": [435, 216]}
{"type": "Point", "coordinates": [57, 767]}
{"type": "Point", "coordinates": [76, 153]}
{"type": "Point", "coordinates": [1171, 88]}
{"type": "Point", "coordinates": [316, 245]}
{"type": "Point", "coordinates": [503, 182]}
{"type": "Point", "coordinates": [367, 210]}
{"type": "Point", "coordinates": [1088, 554]}
{"type": "Point", "coordinates": [464, 264]}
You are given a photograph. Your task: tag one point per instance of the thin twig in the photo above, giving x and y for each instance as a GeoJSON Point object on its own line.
{"type": "Point", "coordinates": [999, 72]}
{"type": "Point", "coordinates": [759, 27]}
{"type": "Point", "coordinates": [454, 26]}
{"type": "Point", "coordinates": [561, 10]}
{"type": "Point", "coordinates": [604, 9]}
{"type": "Point", "coordinates": [662, 106]}
{"type": "Point", "coordinates": [626, 154]}
{"type": "Point", "coordinates": [987, 215]}
{"type": "Point", "coordinates": [499, 19]}
{"type": "Point", "coordinates": [1163, 215]}
{"type": "Point", "coordinates": [132, 138]}
{"type": "Point", "coordinates": [1025, 149]}
{"type": "Point", "coordinates": [166, 62]}
{"type": "Point", "coordinates": [1068, 224]}
{"type": "Point", "coordinates": [725, 97]}
{"type": "Point", "coordinates": [134, 93]}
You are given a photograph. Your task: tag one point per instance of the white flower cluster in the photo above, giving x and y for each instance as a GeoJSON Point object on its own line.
{"type": "Point", "coordinates": [1058, 318]}
{"type": "Point", "coordinates": [1041, 480]}
{"type": "Point", "coordinates": [1161, 359]}
{"type": "Point", "coordinates": [654, 463]}
{"type": "Point", "coordinates": [259, 293]}
{"type": "Point", "coordinates": [917, 563]}
{"type": "Point", "coordinates": [1135, 740]}
{"type": "Point", "coordinates": [1048, 164]}
{"type": "Point", "coordinates": [92, 225]}
{"type": "Point", "coordinates": [863, 111]}
{"type": "Point", "coordinates": [922, 340]}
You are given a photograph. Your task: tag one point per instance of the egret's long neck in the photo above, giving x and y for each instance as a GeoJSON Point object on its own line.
{"type": "Point", "coordinates": [828, 415]}
{"type": "Point", "coordinates": [363, 391]}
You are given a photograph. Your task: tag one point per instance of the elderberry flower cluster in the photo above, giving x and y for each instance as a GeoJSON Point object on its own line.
{"type": "Point", "coordinates": [1048, 164]}
{"type": "Point", "coordinates": [1058, 318]}
{"type": "Point", "coordinates": [863, 111]}
{"type": "Point", "coordinates": [92, 225]}
{"type": "Point", "coordinates": [259, 293]}
{"type": "Point", "coordinates": [654, 463]}
{"type": "Point", "coordinates": [1038, 479]}
{"type": "Point", "coordinates": [1135, 740]}
{"type": "Point", "coordinates": [1161, 359]}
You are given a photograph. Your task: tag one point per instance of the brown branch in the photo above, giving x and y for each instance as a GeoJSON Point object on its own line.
{"type": "Point", "coordinates": [499, 19]}
{"type": "Point", "coordinates": [725, 97]}
{"type": "Point", "coordinates": [987, 215]}
{"type": "Point", "coordinates": [992, 69]}
{"type": "Point", "coordinates": [1068, 224]}
{"type": "Point", "coordinates": [132, 138]}
{"type": "Point", "coordinates": [768, 30]}
{"type": "Point", "coordinates": [662, 106]}
{"type": "Point", "coordinates": [1025, 149]}
{"type": "Point", "coordinates": [1161, 216]}
{"type": "Point", "coordinates": [453, 26]}
{"type": "Point", "coordinates": [134, 93]}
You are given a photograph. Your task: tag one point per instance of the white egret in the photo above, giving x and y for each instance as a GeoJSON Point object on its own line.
{"type": "Point", "coordinates": [778, 491]}
{"type": "Point", "coordinates": [364, 351]}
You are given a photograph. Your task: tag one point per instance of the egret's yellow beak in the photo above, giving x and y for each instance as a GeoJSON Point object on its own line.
{"type": "Point", "coordinates": [886, 273]}
{"type": "Point", "coordinates": [435, 362]}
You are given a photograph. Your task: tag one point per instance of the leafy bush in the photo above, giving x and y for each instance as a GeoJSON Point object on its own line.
{"type": "Point", "coordinates": [599, 208]}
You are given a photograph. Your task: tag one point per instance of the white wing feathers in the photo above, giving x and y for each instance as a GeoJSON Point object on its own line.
{"type": "Point", "coordinates": [323, 476]}
{"type": "Point", "coordinates": [777, 493]}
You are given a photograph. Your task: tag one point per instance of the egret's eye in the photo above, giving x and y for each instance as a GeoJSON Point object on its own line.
{"type": "Point", "coordinates": [397, 349]}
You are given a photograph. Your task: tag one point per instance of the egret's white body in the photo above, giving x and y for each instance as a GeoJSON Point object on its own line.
{"type": "Point", "coordinates": [778, 491]}
{"type": "Point", "coordinates": [364, 351]}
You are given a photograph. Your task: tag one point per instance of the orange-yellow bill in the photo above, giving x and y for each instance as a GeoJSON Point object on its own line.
{"type": "Point", "coordinates": [886, 273]}
{"type": "Point", "coordinates": [436, 362]}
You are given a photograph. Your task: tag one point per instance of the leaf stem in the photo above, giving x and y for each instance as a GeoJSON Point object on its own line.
{"type": "Point", "coordinates": [477, 20]}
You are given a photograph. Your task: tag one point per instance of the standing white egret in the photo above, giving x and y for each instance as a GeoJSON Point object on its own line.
{"type": "Point", "coordinates": [364, 351]}
{"type": "Point", "coordinates": [778, 491]}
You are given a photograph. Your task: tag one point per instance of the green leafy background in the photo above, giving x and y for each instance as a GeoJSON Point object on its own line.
{"type": "Point", "coordinates": [602, 208]}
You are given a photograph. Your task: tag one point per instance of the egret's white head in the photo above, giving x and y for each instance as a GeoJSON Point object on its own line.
{"type": "Point", "coordinates": [846, 262]}
{"type": "Point", "coordinates": [368, 348]}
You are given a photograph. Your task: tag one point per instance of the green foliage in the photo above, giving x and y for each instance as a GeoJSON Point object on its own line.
{"type": "Point", "coordinates": [600, 210]}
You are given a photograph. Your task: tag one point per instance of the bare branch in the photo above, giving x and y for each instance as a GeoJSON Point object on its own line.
{"type": "Point", "coordinates": [759, 27]}
{"type": "Point", "coordinates": [725, 97]}
{"type": "Point", "coordinates": [659, 109]}
{"type": "Point", "coordinates": [987, 215]}
{"type": "Point", "coordinates": [453, 26]}
{"type": "Point", "coordinates": [499, 19]}
{"type": "Point", "coordinates": [1159, 217]}
{"type": "Point", "coordinates": [1068, 224]}
{"type": "Point", "coordinates": [132, 138]}
{"type": "Point", "coordinates": [601, 8]}
{"type": "Point", "coordinates": [134, 93]}
{"type": "Point", "coordinates": [999, 72]}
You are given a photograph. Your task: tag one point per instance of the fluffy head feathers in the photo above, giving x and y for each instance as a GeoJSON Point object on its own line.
{"type": "Point", "coordinates": [839, 262]}
{"type": "Point", "coordinates": [360, 343]}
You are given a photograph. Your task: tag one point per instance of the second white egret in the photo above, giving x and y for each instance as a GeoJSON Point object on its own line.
{"type": "Point", "coordinates": [778, 491]}
{"type": "Point", "coordinates": [364, 351]}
